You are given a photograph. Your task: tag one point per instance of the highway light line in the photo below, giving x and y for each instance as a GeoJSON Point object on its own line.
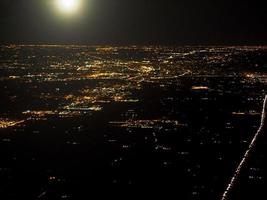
{"type": "Point", "coordinates": [262, 128]}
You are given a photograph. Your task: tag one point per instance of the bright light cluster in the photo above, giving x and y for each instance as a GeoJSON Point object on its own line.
{"type": "Point", "coordinates": [68, 6]}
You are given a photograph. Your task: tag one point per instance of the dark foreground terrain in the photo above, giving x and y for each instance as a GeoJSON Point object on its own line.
{"type": "Point", "coordinates": [173, 121]}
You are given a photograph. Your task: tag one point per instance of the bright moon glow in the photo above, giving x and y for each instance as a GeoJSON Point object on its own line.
{"type": "Point", "coordinates": [68, 6]}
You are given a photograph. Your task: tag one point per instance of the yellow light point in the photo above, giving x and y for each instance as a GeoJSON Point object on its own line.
{"type": "Point", "coordinates": [200, 88]}
{"type": "Point", "coordinates": [69, 6]}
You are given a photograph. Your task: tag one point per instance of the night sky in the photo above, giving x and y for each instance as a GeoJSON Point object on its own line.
{"type": "Point", "coordinates": [181, 22]}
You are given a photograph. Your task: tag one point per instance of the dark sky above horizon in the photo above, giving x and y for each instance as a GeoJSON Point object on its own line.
{"type": "Point", "coordinates": [184, 22]}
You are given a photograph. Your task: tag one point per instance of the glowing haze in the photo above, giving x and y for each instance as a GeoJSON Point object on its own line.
{"type": "Point", "coordinates": [68, 6]}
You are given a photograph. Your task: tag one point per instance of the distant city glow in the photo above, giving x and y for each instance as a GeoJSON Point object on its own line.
{"type": "Point", "coordinates": [68, 6]}
{"type": "Point", "coordinates": [6, 123]}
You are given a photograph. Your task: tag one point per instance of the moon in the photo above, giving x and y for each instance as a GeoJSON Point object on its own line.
{"type": "Point", "coordinates": [68, 6]}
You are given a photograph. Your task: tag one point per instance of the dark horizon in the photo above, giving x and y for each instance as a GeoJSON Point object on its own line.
{"type": "Point", "coordinates": [136, 44]}
{"type": "Point", "coordinates": [123, 22]}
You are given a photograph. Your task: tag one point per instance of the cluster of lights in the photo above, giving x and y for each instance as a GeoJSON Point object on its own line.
{"type": "Point", "coordinates": [6, 123]}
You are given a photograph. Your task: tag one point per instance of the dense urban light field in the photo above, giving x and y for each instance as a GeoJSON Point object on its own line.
{"type": "Point", "coordinates": [73, 118]}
